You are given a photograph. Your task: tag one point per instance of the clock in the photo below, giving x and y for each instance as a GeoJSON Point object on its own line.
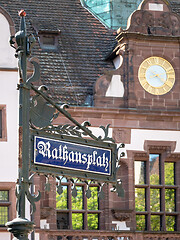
{"type": "Point", "coordinates": [156, 75]}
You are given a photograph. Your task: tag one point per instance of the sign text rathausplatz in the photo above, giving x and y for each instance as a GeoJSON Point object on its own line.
{"type": "Point", "coordinates": [69, 155]}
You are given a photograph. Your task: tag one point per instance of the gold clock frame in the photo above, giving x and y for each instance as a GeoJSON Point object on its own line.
{"type": "Point", "coordinates": [169, 83]}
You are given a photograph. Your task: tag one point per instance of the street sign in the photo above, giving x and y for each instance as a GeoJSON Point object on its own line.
{"type": "Point", "coordinates": [74, 157]}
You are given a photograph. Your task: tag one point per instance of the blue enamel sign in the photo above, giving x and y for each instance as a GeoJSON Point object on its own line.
{"type": "Point", "coordinates": [72, 156]}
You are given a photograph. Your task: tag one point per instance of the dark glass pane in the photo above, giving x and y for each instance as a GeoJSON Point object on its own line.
{"type": "Point", "coordinates": [169, 173]}
{"type": "Point", "coordinates": [155, 200]}
{"type": "Point", "coordinates": [170, 200]}
{"type": "Point", "coordinates": [139, 172]}
{"type": "Point", "coordinates": [62, 220]}
{"type": "Point", "coordinates": [155, 223]}
{"type": "Point", "coordinates": [0, 123]}
{"type": "Point", "coordinates": [92, 221]}
{"type": "Point", "coordinates": [3, 215]}
{"type": "Point", "coordinates": [48, 40]}
{"type": "Point", "coordinates": [4, 196]}
{"type": "Point", "coordinates": [62, 200]}
{"type": "Point", "coordinates": [170, 223]}
{"type": "Point", "coordinates": [154, 169]}
{"type": "Point", "coordinates": [77, 202]}
{"type": "Point", "coordinates": [140, 199]}
{"type": "Point", "coordinates": [77, 220]}
{"type": "Point", "coordinates": [140, 222]}
{"type": "Point", "coordinates": [92, 202]}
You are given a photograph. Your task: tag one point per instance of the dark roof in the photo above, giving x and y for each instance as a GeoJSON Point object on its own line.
{"type": "Point", "coordinates": [83, 45]}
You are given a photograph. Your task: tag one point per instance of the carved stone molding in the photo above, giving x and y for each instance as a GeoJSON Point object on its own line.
{"type": "Point", "coordinates": [122, 135]}
{"type": "Point", "coordinates": [159, 146]}
{"type": "Point", "coordinates": [121, 215]}
{"type": "Point", "coordinates": [164, 23]}
{"type": "Point", "coordinates": [45, 212]}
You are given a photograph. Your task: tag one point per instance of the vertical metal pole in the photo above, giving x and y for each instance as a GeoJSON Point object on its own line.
{"type": "Point", "coordinates": [24, 119]}
{"type": "Point", "coordinates": [21, 227]}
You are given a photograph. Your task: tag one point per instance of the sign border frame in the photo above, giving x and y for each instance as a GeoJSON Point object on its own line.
{"type": "Point", "coordinates": [73, 173]}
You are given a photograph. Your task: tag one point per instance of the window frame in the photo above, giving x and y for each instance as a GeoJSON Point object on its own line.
{"type": "Point", "coordinates": [144, 157]}
{"type": "Point", "coordinates": [5, 203]}
{"type": "Point", "coordinates": [84, 209]}
{"type": "Point", "coordinates": [11, 203]}
{"type": "Point", "coordinates": [3, 138]}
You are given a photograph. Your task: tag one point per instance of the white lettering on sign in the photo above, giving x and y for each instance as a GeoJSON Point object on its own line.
{"type": "Point", "coordinates": [63, 154]}
{"type": "Point", "coordinates": [155, 7]}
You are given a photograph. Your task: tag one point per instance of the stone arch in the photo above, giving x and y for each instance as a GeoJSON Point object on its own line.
{"type": "Point", "coordinates": [7, 29]}
{"type": "Point", "coordinates": [9, 19]}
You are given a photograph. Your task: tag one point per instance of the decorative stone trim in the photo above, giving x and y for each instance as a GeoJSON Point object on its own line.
{"type": "Point", "coordinates": [45, 212]}
{"type": "Point", "coordinates": [122, 215]}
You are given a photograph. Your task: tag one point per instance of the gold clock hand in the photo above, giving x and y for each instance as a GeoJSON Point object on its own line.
{"type": "Point", "coordinates": [161, 79]}
{"type": "Point", "coordinates": [156, 75]}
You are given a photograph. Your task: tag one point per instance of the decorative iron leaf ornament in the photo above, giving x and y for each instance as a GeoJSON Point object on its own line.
{"type": "Point", "coordinates": [106, 133]}
{"type": "Point", "coordinates": [41, 114]}
{"type": "Point", "coordinates": [47, 187]}
{"type": "Point", "coordinates": [88, 192]}
{"type": "Point", "coordinates": [101, 194]}
{"type": "Point", "coordinates": [74, 191]}
{"type": "Point", "coordinates": [59, 188]}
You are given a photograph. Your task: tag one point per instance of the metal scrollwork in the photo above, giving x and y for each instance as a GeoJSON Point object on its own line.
{"type": "Point", "coordinates": [25, 190]}
{"type": "Point", "coordinates": [42, 115]}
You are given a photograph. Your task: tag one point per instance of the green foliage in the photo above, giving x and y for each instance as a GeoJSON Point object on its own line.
{"type": "Point", "coordinates": [155, 223]}
{"type": "Point", "coordinates": [3, 215]}
{"type": "Point", "coordinates": [154, 179]}
{"type": "Point", "coordinates": [155, 200]}
{"type": "Point", "coordinates": [77, 202]}
{"type": "Point", "coordinates": [61, 200]}
{"type": "Point", "coordinates": [140, 199]}
{"type": "Point", "coordinates": [169, 173]}
{"type": "Point", "coordinates": [140, 222]}
{"type": "Point", "coordinates": [92, 221]}
{"type": "Point", "coordinates": [170, 223]}
{"type": "Point", "coordinates": [77, 220]}
{"type": "Point", "coordinates": [92, 202]}
{"type": "Point", "coordinates": [170, 200]}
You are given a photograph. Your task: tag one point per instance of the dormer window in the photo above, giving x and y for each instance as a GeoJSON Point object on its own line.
{"type": "Point", "coordinates": [48, 41]}
{"type": "Point", "coordinates": [48, 34]}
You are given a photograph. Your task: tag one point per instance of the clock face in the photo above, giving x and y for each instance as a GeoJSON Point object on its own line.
{"type": "Point", "coordinates": [156, 75]}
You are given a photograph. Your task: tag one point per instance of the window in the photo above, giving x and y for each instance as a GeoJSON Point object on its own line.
{"type": "Point", "coordinates": [3, 131]}
{"type": "Point", "coordinates": [48, 41]}
{"type": "Point", "coordinates": [79, 212]}
{"type": "Point", "coordinates": [155, 194]}
{"type": "Point", "coordinates": [4, 207]}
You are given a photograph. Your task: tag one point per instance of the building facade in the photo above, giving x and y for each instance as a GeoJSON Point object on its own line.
{"type": "Point", "coordinates": [129, 79]}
